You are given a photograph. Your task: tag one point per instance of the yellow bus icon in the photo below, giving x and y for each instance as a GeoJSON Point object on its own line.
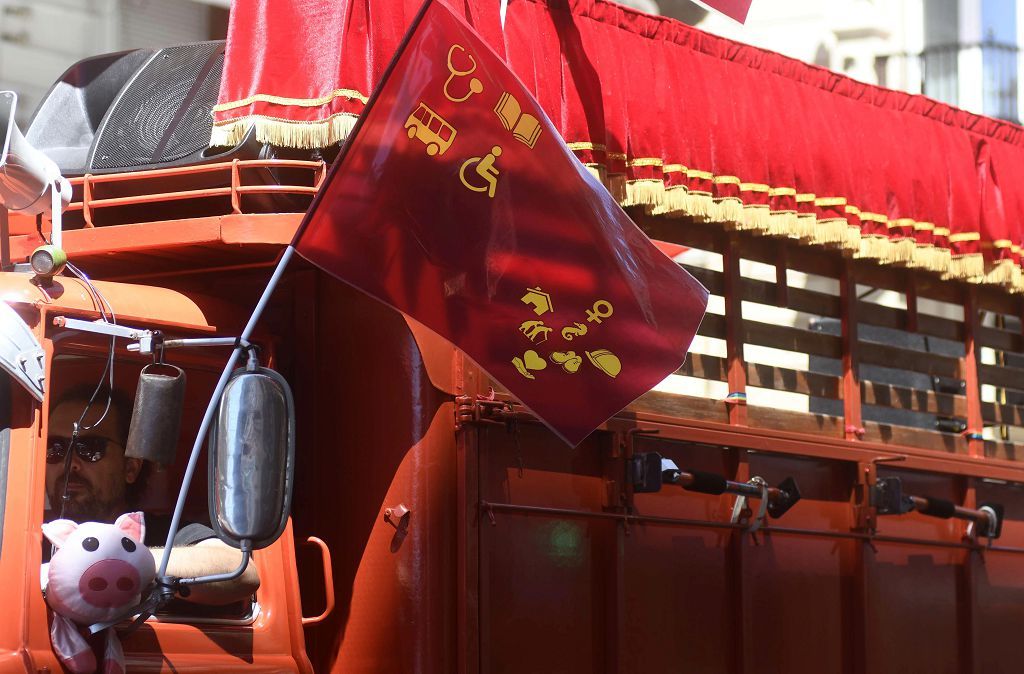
{"type": "Point", "coordinates": [431, 129]}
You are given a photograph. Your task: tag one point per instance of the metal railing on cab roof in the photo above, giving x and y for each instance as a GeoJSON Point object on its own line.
{"type": "Point", "coordinates": [237, 169]}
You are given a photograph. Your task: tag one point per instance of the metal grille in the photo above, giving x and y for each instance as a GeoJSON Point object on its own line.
{"type": "Point", "coordinates": [164, 114]}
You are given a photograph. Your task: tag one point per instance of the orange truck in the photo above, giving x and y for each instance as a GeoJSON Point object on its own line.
{"type": "Point", "coordinates": [844, 525]}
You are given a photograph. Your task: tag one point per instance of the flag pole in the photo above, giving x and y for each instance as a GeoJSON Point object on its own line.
{"type": "Point", "coordinates": [193, 459]}
{"type": "Point", "coordinates": [243, 339]}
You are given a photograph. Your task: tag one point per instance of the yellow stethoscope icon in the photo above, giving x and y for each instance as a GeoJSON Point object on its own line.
{"type": "Point", "coordinates": [485, 169]}
{"type": "Point", "coordinates": [475, 85]}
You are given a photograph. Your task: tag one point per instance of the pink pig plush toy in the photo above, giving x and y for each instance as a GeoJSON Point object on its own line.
{"type": "Point", "coordinates": [98, 571]}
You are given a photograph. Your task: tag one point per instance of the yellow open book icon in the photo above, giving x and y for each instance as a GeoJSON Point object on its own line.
{"type": "Point", "coordinates": [524, 126]}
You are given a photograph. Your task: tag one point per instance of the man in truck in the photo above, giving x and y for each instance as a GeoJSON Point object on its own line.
{"type": "Point", "coordinates": [100, 481]}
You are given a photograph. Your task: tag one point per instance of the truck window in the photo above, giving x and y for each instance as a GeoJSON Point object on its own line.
{"type": "Point", "coordinates": [95, 484]}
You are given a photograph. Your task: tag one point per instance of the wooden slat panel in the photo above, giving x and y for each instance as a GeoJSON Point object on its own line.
{"type": "Point", "coordinates": [704, 366]}
{"type": "Point", "coordinates": [901, 398]}
{"type": "Point", "coordinates": [1001, 375]}
{"type": "Point", "coordinates": [1012, 415]}
{"type": "Point", "coordinates": [710, 279]}
{"type": "Point", "coordinates": [798, 258]}
{"type": "Point", "coordinates": [791, 339]}
{"type": "Point", "coordinates": [1006, 451]}
{"type": "Point", "coordinates": [915, 437]}
{"type": "Point", "coordinates": [763, 292]}
{"type": "Point", "coordinates": [799, 299]}
{"type": "Point", "coordinates": [887, 317]}
{"type": "Point", "coordinates": [712, 325]}
{"type": "Point", "coordinates": [798, 422]}
{"type": "Point", "coordinates": [907, 359]}
{"type": "Point", "coordinates": [684, 231]}
{"type": "Point", "coordinates": [1001, 340]}
{"type": "Point", "coordinates": [794, 381]}
{"type": "Point", "coordinates": [681, 406]}
{"type": "Point", "coordinates": [1000, 301]}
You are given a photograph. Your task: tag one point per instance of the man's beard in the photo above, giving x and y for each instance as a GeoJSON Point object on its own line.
{"type": "Point", "coordinates": [82, 505]}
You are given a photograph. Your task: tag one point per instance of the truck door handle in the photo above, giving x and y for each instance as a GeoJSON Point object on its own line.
{"type": "Point", "coordinates": [325, 553]}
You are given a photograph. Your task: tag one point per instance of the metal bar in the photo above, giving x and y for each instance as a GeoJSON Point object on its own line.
{"type": "Point", "coordinates": [236, 202]}
{"type": "Point", "coordinates": [162, 196]}
{"type": "Point", "coordinates": [737, 374]}
{"type": "Point", "coordinates": [87, 199]}
{"type": "Point", "coordinates": [975, 422]}
{"type": "Point", "coordinates": [100, 328]}
{"type": "Point", "coordinates": [853, 423]}
{"type": "Point", "coordinates": [768, 528]}
{"type": "Point", "coordinates": [277, 189]}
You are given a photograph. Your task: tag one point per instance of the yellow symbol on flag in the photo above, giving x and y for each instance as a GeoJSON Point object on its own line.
{"type": "Point", "coordinates": [601, 309]}
{"type": "Point", "coordinates": [569, 361]}
{"type": "Point", "coordinates": [606, 361]}
{"type": "Point", "coordinates": [431, 129]}
{"type": "Point", "coordinates": [535, 331]}
{"type": "Point", "coordinates": [485, 169]}
{"type": "Point", "coordinates": [529, 361]}
{"type": "Point", "coordinates": [524, 127]}
{"type": "Point", "coordinates": [569, 332]}
{"type": "Point", "coordinates": [540, 300]}
{"type": "Point", "coordinates": [475, 85]}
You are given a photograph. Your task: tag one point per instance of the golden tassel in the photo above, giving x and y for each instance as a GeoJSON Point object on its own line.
{"type": "Point", "coordinates": [673, 202]}
{"type": "Point", "coordinates": [699, 205]}
{"type": "Point", "coordinates": [728, 211]}
{"type": "Point", "coordinates": [617, 187]}
{"type": "Point", "coordinates": [783, 223]}
{"type": "Point", "coordinates": [647, 192]}
{"type": "Point", "coordinates": [302, 135]}
{"type": "Point", "coordinates": [757, 218]}
{"type": "Point", "coordinates": [969, 267]}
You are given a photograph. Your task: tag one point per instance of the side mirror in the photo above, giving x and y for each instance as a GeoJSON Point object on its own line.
{"type": "Point", "coordinates": [252, 458]}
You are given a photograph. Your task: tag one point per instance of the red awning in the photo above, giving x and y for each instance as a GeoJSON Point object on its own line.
{"type": "Point", "coordinates": [674, 120]}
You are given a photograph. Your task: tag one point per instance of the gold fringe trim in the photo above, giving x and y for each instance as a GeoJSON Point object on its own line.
{"type": "Point", "coordinates": [350, 94]}
{"type": "Point", "coordinates": [617, 186]}
{"type": "Point", "coordinates": [699, 205]}
{"type": "Point", "coordinates": [648, 193]}
{"type": "Point", "coordinates": [304, 135]}
{"type": "Point", "coordinates": [728, 211]}
{"type": "Point", "coordinates": [1003, 272]}
{"type": "Point", "coordinates": [757, 218]}
{"type": "Point", "coordinates": [785, 223]}
{"type": "Point", "coordinates": [966, 267]}
{"type": "Point", "coordinates": [674, 201]}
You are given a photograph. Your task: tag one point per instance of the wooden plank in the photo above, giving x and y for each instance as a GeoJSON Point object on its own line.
{"type": "Point", "coordinates": [901, 398]}
{"type": "Point", "coordinates": [1000, 340]}
{"type": "Point", "coordinates": [712, 325]}
{"type": "Point", "coordinates": [793, 381]}
{"type": "Point", "coordinates": [763, 292]}
{"type": "Point", "coordinates": [681, 406]}
{"type": "Point", "coordinates": [799, 258]}
{"type": "Point", "coordinates": [915, 437]}
{"type": "Point", "coordinates": [791, 339]}
{"type": "Point", "coordinates": [799, 299]}
{"type": "Point", "coordinates": [995, 413]}
{"type": "Point", "coordinates": [1007, 451]}
{"type": "Point", "coordinates": [684, 231]}
{"type": "Point", "coordinates": [908, 359]}
{"type": "Point", "coordinates": [1002, 376]}
{"type": "Point", "coordinates": [994, 299]}
{"type": "Point", "coordinates": [798, 422]}
{"type": "Point", "coordinates": [710, 279]}
{"type": "Point", "coordinates": [897, 319]}
{"type": "Point", "coordinates": [704, 366]}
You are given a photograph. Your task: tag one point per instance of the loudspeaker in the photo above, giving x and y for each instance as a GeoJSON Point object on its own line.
{"type": "Point", "coordinates": [30, 182]}
{"type": "Point", "coordinates": [134, 110]}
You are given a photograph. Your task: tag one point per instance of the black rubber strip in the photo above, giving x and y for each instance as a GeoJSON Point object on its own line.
{"type": "Point", "coordinates": [939, 507]}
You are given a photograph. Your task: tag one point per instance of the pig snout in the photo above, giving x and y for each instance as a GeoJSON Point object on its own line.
{"type": "Point", "coordinates": [109, 583]}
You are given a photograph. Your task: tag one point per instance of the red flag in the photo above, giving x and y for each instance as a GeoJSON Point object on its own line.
{"type": "Point", "coordinates": [734, 9]}
{"type": "Point", "coordinates": [456, 202]}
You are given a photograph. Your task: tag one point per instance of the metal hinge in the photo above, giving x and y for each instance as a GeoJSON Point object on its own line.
{"type": "Point", "coordinates": [475, 409]}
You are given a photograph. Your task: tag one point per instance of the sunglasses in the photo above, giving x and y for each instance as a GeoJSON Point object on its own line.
{"type": "Point", "coordinates": [89, 449]}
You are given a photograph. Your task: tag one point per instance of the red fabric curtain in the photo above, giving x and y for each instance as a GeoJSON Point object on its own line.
{"type": "Point", "coordinates": [674, 120]}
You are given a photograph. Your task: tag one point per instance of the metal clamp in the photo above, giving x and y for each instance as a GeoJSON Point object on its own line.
{"type": "Point", "coordinates": [741, 505]}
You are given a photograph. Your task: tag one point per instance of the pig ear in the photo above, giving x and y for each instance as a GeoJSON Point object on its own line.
{"type": "Point", "coordinates": [58, 531]}
{"type": "Point", "coordinates": [132, 524]}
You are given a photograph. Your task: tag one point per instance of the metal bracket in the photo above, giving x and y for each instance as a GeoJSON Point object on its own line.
{"type": "Point", "coordinates": [143, 337]}
{"type": "Point", "coordinates": [470, 409]}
